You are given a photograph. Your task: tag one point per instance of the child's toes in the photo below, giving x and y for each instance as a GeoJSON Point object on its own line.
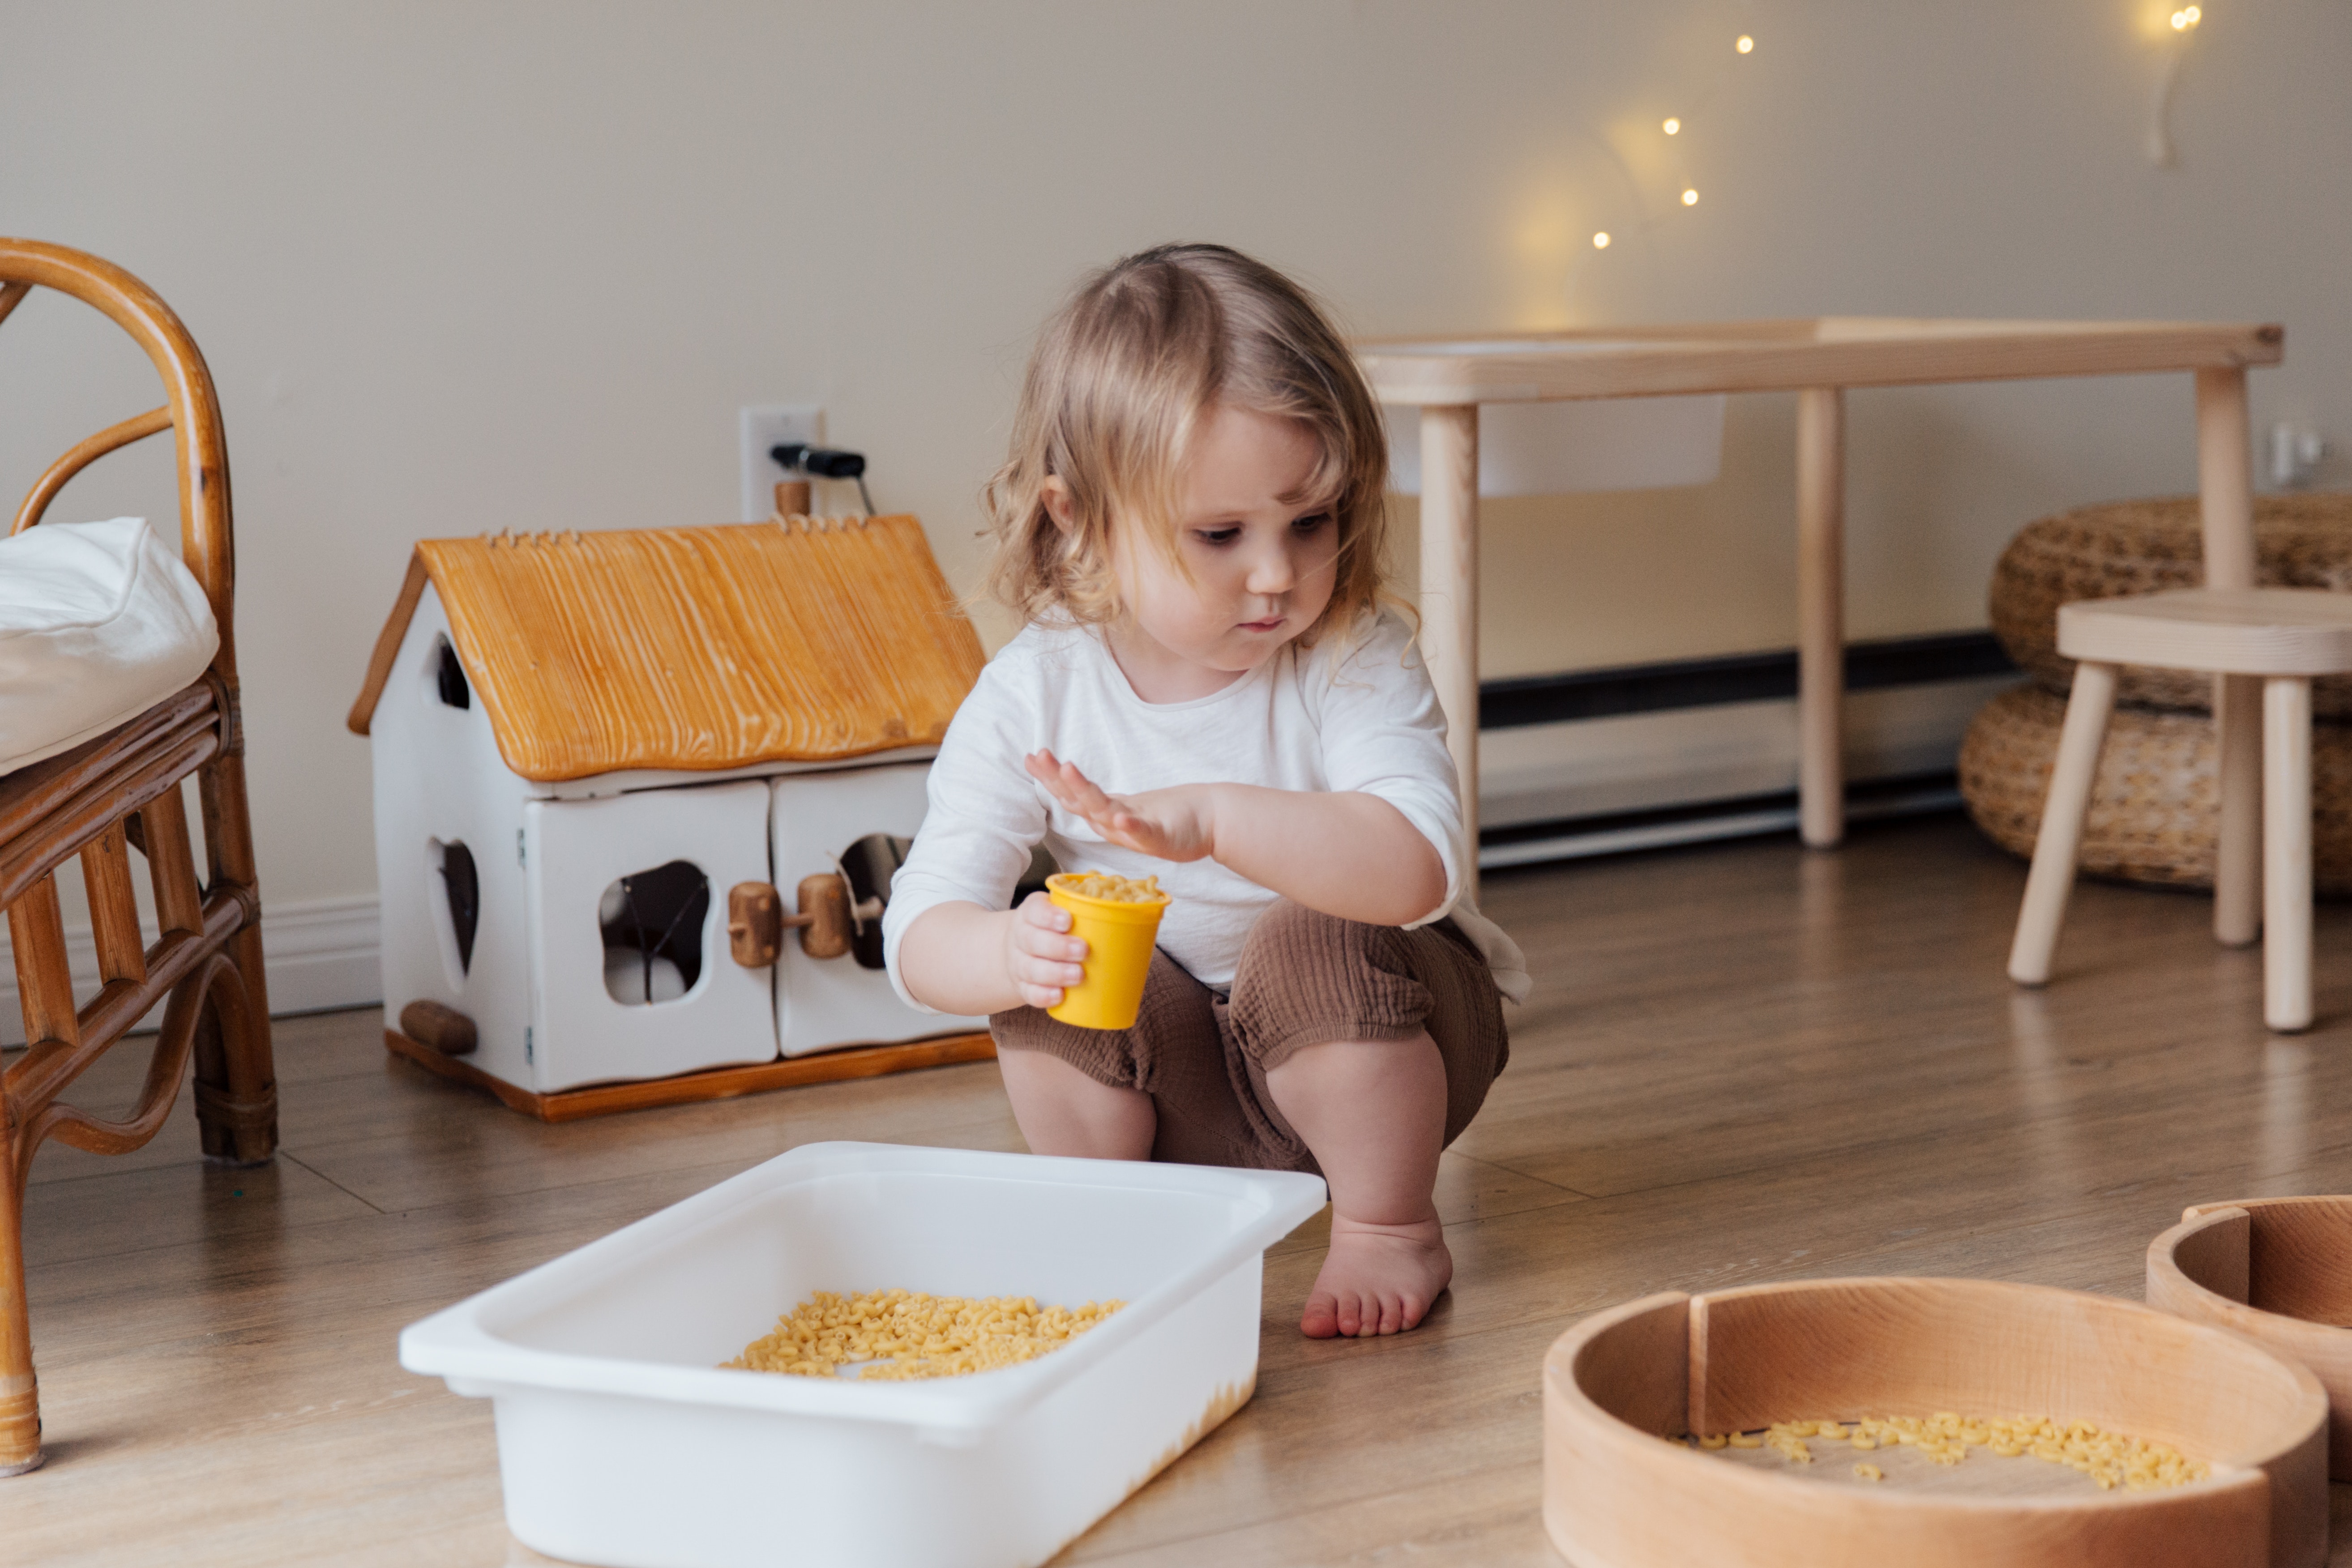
{"type": "Point", "coordinates": [1320, 1321]}
{"type": "Point", "coordinates": [1352, 1316]}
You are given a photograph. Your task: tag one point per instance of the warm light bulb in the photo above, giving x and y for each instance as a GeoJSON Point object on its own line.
{"type": "Point", "coordinates": [1748, 45]}
{"type": "Point", "coordinates": [1673, 127]}
{"type": "Point", "coordinates": [1690, 198]}
{"type": "Point", "coordinates": [2186, 17]}
{"type": "Point", "coordinates": [1600, 240]}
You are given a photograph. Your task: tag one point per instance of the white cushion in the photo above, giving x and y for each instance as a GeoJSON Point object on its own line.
{"type": "Point", "coordinates": [98, 622]}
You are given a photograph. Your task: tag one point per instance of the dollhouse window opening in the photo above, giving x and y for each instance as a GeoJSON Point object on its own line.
{"type": "Point", "coordinates": [458, 911]}
{"type": "Point", "coordinates": [653, 924]}
{"type": "Point", "coordinates": [869, 865]}
{"type": "Point", "coordinates": [449, 676]}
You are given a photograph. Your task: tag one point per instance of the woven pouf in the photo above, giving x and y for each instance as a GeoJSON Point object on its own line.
{"type": "Point", "coordinates": [2144, 547]}
{"type": "Point", "coordinates": [2156, 808]}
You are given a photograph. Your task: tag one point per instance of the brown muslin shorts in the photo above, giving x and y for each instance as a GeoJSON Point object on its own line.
{"type": "Point", "coordinates": [1304, 979]}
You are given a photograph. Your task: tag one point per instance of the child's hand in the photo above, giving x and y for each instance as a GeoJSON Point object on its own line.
{"type": "Point", "coordinates": [1177, 824]}
{"type": "Point", "coordinates": [1041, 956]}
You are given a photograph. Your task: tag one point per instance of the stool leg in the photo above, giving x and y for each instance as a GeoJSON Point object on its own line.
{"type": "Point", "coordinates": [2286, 853]}
{"type": "Point", "coordinates": [2237, 854]}
{"type": "Point", "coordinates": [2059, 842]}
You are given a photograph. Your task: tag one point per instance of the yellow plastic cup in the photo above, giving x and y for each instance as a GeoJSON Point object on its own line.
{"type": "Point", "coordinates": [1119, 938]}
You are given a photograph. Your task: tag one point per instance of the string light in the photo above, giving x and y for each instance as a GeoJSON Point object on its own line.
{"type": "Point", "coordinates": [1745, 44]}
{"type": "Point", "coordinates": [2159, 130]}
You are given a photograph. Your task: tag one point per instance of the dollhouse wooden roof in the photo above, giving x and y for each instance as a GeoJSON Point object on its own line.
{"type": "Point", "coordinates": [796, 640]}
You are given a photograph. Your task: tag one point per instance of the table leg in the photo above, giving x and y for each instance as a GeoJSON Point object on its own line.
{"type": "Point", "coordinates": [1449, 597]}
{"type": "Point", "coordinates": [2225, 479]}
{"type": "Point", "coordinates": [1820, 615]}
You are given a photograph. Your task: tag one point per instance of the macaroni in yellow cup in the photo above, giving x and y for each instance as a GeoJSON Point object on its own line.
{"type": "Point", "coordinates": [1118, 918]}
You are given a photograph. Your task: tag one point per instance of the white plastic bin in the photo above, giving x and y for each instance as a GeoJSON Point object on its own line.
{"type": "Point", "coordinates": [622, 1442]}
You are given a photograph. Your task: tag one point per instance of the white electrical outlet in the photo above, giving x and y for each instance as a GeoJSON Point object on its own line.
{"type": "Point", "coordinates": [762, 428]}
{"type": "Point", "coordinates": [2296, 452]}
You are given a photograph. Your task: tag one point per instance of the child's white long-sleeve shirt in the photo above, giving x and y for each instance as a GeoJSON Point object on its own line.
{"type": "Point", "coordinates": [1362, 717]}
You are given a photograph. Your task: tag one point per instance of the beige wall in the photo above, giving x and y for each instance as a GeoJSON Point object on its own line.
{"type": "Point", "coordinates": [460, 266]}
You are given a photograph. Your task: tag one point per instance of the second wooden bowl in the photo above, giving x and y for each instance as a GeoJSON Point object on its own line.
{"type": "Point", "coordinates": [2279, 1271]}
{"type": "Point", "coordinates": [1617, 1496]}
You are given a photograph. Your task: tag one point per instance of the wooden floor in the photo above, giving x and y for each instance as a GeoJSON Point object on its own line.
{"type": "Point", "coordinates": [1740, 1063]}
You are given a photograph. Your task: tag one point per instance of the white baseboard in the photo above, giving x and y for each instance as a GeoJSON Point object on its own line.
{"type": "Point", "coordinates": [1726, 752]}
{"type": "Point", "coordinates": [1578, 841]}
{"type": "Point", "coordinates": [320, 953]}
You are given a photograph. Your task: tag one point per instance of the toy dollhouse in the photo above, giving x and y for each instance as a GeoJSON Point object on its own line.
{"type": "Point", "coordinates": [598, 756]}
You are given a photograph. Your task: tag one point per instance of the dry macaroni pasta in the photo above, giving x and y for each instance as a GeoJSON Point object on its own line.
{"type": "Point", "coordinates": [900, 1335]}
{"type": "Point", "coordinates": [1111, 889]}
{"type": "Point", "coordinates": [2110, 1458]}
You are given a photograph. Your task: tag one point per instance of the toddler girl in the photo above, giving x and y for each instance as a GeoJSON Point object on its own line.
{"type": "Point", "coordinates": [1208, 689]}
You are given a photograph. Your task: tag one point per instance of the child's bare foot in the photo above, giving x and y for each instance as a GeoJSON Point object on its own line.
{"type": "Point", "coordinates": [1377, 1279]}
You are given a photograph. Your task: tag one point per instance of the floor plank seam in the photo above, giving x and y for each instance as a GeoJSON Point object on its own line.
{"type": "Point", "coordinates": [292, 1159]}
{"type": "Point", "coordinates": [39, 1182]}
{"type": "Point", "coordinates": [1358, 1501]}
{"type": "Point", "coordinates": [1839, 1151]}
{"type": "Point", "coordinates": [723, 1169]}
{"type": "Point", "coordinates": [1524, 1176]}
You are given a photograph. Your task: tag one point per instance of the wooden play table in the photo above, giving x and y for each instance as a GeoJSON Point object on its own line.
{"type": "Point", "coordinates": [1818, 359]}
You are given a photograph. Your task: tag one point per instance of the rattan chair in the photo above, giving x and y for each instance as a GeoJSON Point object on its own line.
{"type": "Point", "coordinates": [101, 800]}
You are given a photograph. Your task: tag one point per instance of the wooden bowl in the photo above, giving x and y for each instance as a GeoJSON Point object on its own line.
{"type": "Point", "coordinates": [2279, 1271]}
{"type": "Point", "coordinates": [1615, 1495]}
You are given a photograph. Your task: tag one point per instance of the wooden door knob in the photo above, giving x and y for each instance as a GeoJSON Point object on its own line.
{"type": "Point", "coordinates": [440, 1025]}
{"type": "Point", "coordinates": [756, 921]}
{"type": "Point", "coordinates": [824, 922]}
{"type": "Point", "coordinates": [755, 924]}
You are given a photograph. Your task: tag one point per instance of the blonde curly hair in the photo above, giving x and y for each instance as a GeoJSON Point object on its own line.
{"type": "Point", "coordinates": [1122, 375]}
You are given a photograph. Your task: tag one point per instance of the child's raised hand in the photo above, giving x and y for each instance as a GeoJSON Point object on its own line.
{"type": "Point", "coordinates": [1176, 824]}
{"type": "Point", "coordinates": [1041, 956]}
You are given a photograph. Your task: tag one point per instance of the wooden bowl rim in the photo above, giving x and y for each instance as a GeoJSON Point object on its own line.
{"type": "Point", "coordinates": [2163, 1259]}
{"type": "Point", "coordinates": [1766, 1485]}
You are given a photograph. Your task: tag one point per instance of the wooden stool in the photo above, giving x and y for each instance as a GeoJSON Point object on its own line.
{"type": "Point", "coordinates": [2283, 636]}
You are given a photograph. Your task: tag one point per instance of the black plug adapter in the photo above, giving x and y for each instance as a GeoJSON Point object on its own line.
{"type": "Point", "coordinates": [824, 462]}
